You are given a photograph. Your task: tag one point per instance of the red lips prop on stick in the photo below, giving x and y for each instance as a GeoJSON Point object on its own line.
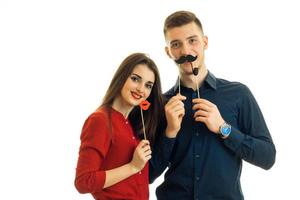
{"type": "Point", "coordinates": [144, 105]}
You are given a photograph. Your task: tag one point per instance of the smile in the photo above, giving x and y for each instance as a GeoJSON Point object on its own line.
{"type": "Point", "coordinates": [136, 95]}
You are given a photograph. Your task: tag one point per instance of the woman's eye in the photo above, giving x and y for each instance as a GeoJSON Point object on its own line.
{"type": "Point", "coordinates": [134, 78]}
{"type": "Point", "coordinates": [149, 86]}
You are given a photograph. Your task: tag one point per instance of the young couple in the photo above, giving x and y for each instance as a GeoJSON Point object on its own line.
{"type": "Point", "coordinates": [201, 129]}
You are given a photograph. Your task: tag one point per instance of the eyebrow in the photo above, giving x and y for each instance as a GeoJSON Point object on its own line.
{"type": "Point", "coordinates": [190, 37]}
{"type": "Point", "coordinates": [142, 78]}
{"type": "Point", "coordinates": [173, 41]}
{"type": "Point", "coordinates": [193, 36]}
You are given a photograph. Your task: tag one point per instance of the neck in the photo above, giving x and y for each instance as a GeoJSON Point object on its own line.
{"type": "Point", "coordinates": [190, 80]}
{"type": "Point", "coordinates": [122, 107]}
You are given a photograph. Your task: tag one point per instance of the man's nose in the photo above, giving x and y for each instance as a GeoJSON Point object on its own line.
{"type": "Point", "coordinates": [184, 50]}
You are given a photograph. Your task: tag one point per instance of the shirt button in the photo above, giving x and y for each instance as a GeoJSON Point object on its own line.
{"type": "Point", "coordinates": [126, 122]}
{"type": "Point", "coordinates": [197, 156]}
{"type": "Point", "coordinates": [133, 137]}
{"type": "Point", "coordinates": [140, 172]}
{"type": "Point", "coordinates": [197, 134]}
{"type": "Point", "coordinates": [197, 178]}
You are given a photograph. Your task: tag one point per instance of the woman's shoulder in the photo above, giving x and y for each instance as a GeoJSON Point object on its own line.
{"type": "Point", "coordinates": [97, 118]}
{"type": "Point", "coordinates": [99, 114]}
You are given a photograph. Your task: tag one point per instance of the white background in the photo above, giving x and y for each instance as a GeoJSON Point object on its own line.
{"type": "Point", "coordinates": [57, 58]}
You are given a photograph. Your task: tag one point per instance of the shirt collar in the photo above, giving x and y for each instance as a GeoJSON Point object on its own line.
{"type": "Point", "coordinates": [210, 80]}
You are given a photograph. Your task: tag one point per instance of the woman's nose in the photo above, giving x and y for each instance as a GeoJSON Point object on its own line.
{"type": "Point", "coordinates": [140, 88]}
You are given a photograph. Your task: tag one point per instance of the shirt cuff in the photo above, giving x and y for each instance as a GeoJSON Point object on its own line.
{"type": "Point", "coordinates": [167, 146]}
{"type": "Point", "coordinates": [99, 180]}
{"type": "Point", "coordinates": [234, 140]}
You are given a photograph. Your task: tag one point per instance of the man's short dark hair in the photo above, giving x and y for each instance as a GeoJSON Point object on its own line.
{"type": "Point", "coordinates": [181, 18]}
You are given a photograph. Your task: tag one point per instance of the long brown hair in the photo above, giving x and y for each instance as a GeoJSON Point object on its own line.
{"type": "Point", "coordinates": [155, 112]}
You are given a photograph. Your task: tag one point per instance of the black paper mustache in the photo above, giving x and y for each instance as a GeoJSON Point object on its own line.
{"type": "Point", "coordinates": [190, 59]}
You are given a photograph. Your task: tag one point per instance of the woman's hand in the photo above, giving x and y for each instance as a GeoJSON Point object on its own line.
{"type": "Point", "coordinates": [141, 156]}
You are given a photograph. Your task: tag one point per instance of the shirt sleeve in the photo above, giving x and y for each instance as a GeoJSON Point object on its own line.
{"type": "Point", "coordinates": [95, 142]}
{"type": "Point", "coordinates": [252, 141]}
{"type": "Point", "coordinates": [161, 154]}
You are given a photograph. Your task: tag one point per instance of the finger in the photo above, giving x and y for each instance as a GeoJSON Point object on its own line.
{"type": "Point", "coordinates": [204, 101]}
{"type": "Point", "coordinates": [173, 103]}
{"type": "Point", "coordinates": [173, 109]}
{"type": "Point", "coordinates": [201, 113]}
{"type": "Point", "coordinates": [180, 97]}
{"type": "Point", "coordinates": [146, 148]}
{"type": "Point", "coordinates": [148, 157]}
{"type": "Point", "coordinates": [146, 145]}
{"type": "Point", "coordinates": [175, 113]}
{"type": "Point", "coordinates": [201, 106]}
{"type": "Point", "coordinates": [177, 97]}
{"type": "Point", "coordinates": [145, 142]}
{"type": "Point", "coordinates": [177, 108]}
{"type": "Point", "coordinates": [148, 152]}
{"type": "Point", "coordinates": [145, 155]}
{"type": "Point", "coordinates": [179, 113]}
{"type": "Point", "coordinates": [142, 143]}
{"type": "Point", "coordinates": [201, 119]}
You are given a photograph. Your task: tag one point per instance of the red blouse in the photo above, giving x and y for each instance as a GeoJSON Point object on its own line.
{"type": "Point", "coordinates": [99, 152]}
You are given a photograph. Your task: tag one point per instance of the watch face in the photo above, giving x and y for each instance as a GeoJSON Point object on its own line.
{"type": "Point", "coordinates": [226, 130]}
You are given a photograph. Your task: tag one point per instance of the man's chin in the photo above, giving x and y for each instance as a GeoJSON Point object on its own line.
{"type": "Point", "coordinates": [187, 72]}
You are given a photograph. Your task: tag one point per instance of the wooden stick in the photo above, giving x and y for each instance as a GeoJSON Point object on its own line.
{"type": "Point", "coordinates": [143, 124]}
{"type": "Point", "coordinates": [179, 80]}
{"type": "Point", "coordinates": [198, 89]}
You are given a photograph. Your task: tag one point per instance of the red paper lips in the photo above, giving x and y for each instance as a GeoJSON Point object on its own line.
{"type": "Point", "coordinates": [145, 105]}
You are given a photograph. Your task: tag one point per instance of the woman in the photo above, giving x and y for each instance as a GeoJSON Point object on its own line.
{"type": "Point", "coordinates": [113, 155]}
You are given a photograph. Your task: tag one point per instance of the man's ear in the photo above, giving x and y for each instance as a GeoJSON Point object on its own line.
{"type": "Point", "coordinates": [205, 41]}
{"type": "Point", "coordinates": [168, 52]}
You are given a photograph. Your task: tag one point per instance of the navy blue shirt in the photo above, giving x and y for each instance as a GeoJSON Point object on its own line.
{"type": "Point", "coordinates": [202, 165]}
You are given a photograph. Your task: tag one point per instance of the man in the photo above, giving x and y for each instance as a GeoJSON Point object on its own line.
{"type": "Point", "coordinates": [209, 131]}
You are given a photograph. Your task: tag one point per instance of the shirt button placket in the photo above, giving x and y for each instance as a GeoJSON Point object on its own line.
{"type": "Point", "coordinates": [194, 96]}
{"type": "Point", "coordinates": [197, 165]}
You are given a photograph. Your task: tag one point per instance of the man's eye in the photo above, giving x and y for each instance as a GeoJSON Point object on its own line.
{"type": "Point", "coordinates": [175, 45]}
{"type": "Point", "coordinates": [192, 41]}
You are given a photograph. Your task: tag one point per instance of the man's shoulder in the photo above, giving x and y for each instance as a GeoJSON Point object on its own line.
{"type": "Point", "coordinates": [234, 85]}
{"type": "Point", "coordinates": [169, 93]}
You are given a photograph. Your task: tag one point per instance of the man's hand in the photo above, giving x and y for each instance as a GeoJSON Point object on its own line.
{"type": "Point", "coordinates": [208, 113]}
{"type": "Point", "coordinates": [174, 110]}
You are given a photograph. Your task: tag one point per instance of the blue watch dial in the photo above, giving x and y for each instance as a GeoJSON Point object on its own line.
{"type": "Point", "coordinates": [225, 129]}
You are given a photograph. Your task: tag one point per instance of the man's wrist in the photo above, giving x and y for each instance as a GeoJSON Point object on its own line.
{"type": "Point", "coordinates": [171, 133]}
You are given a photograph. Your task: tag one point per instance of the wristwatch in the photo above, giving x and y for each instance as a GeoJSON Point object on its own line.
{"type": "Point", "coordinates": [225, 130]}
